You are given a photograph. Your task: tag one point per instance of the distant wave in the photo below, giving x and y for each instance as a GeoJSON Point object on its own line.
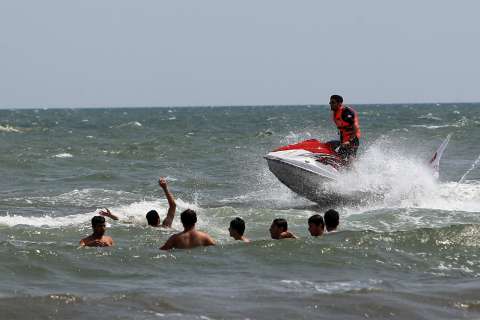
{"type": "Point", "coordinates": [462, 122]}
{"type": "Point", "coordinates": [131, 124]}
{"type": "Point", "coordinates": [429, 116]}
{"type": "Point", "coordinates": [63, 155]}
{"type": "Point", "coordinates": [334, 287]}
{"type": "Point", "coordinates": [8, 128]}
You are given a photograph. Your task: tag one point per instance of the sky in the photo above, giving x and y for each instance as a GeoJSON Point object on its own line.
{"type": "Point", "coordinates": [115, 53]}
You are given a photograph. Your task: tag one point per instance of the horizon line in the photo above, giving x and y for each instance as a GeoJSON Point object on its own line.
{"type": "Point", "coordinates": [227, 106]}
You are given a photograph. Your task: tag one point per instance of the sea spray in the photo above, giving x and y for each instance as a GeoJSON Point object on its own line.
{"type": "Point", "coordinates": [474, 165]}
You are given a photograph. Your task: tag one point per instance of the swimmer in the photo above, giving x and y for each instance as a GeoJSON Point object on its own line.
{"type": "Point", "coordinates": [153, 219]}
{"type": "Point", "coordinates": [279, 230]}
{"type": "Point", "coordinates": [189, 237]}
{"type": "Point", "coordinates": [98, 237]}
{"type": "Point", "coordinates": [152, 216]}
{"type": "Point", "coordinates": [316, 226]}
{"type": "Point", "coordinates": [332, 219]}
{"type": "Point", "coordinates": [237, 229]}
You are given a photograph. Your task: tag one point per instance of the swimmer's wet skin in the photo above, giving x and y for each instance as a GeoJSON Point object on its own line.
{"type": "Point", "coordinates": [279, 230]}
{"type": "Point", "coordinates": [189, 237]}
{"type": "Point", "coordinates": [98, 237]}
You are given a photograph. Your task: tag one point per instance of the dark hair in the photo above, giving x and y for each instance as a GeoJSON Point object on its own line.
{"type": "Point", "coordinates": [331, 219]}
{"type": "Point", "coordinates": [336, 98]}
{"type": "Point", "coordinates": [317, 220]}
{"type": "Point", "coordinates": [97, 220]}
{"type": "Point", "coordinates": [152, 217]}
{"type": "Point", "coordinates": [238, 225]}
{"type": "Point", "coordinates": [281, 223]}
{"type": "Point", "coordinates": [188, 218]}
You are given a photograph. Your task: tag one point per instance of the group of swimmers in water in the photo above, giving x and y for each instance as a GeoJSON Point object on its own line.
{"type": "Point", "coordinates": [191, 238]}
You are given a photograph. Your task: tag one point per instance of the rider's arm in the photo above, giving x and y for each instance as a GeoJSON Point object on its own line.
{"type": "Point", "coordinates": [348, 115]}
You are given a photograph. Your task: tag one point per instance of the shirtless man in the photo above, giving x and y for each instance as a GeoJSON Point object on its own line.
{"type": "Point", "coordinates": [189, 237]}
{"type": "Point", "coordinates": [237, 229]}
{"type": "Point", "coordinates": [332, 219]}
{"type": "Point", "coordinates": [152, 216]}
{"type": "Point", "coordinates": [316, 225]}
{"type": "Point", "coordinates": [98, 237]}
{"type": "Point", "coordinates": [153, 219]}
{"type": "Point", "coordinates": [279, 230]}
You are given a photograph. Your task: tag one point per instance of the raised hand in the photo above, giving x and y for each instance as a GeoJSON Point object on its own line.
{"type": "Point", "coordinates": [162, 182]}
{"type": "Point", "coordinates": [107, 213]}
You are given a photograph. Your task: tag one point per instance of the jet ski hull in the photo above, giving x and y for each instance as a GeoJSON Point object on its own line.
{"type": "Point", "coordinates": [301, 181]}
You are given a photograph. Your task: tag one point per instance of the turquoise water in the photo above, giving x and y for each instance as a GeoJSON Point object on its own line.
{"type": "Point", "coordinates": [414, 252]}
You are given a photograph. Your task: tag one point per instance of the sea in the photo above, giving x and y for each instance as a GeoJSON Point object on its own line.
{"type": "Point", "coordinates": [413, 253]}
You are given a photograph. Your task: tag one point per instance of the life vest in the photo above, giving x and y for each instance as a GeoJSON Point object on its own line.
{"type": "Point", "coordinates": [346, 130]}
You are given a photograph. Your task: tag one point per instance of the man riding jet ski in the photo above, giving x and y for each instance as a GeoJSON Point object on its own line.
{"type": "Point", "coordinates": [306, 167]}
{"type": "Point", "coordinates": [346, 120]}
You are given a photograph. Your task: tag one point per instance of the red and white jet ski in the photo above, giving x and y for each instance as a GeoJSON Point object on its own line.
{"type": "Point", "coordinates": [304, 167]}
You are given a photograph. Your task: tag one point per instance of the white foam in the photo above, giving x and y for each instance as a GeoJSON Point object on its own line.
{"type": "Point", "coordinates": [385, 172]}
{"type": "Point", "coordinates": [433, 127]}
{"type": "Point", "coordinates": [133, 124]}
{"type": "Point", "coordinates": [63, 155]}
{"type": "Point", "coordinates": [429, 116]}
{"type": "Point", "coordinates": [133, 213]}
{"type": "Point", "coordinates": [402, 181]}
{"type": "Point", "coordinates": [334, 287]}
{"type": "Point", "coordinates": [462, 122]}
{"type": "Point", "coordinates": [8, 128]}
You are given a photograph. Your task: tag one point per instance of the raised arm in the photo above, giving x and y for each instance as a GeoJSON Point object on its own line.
{"type": "Point", "coordinates": [172, 206]}
{"type": "Point", "coordinates": [107, 213]}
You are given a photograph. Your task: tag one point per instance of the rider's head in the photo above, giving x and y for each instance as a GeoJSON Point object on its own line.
{"type": "Point", "coordinates": [335, 102]}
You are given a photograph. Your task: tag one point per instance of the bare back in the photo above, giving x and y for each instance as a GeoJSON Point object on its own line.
{"type": "Point", "coordinates": [188, 239]}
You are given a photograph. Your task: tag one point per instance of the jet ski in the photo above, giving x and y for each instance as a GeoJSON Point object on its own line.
{"type": "Point", "coordinates": [306, 166]}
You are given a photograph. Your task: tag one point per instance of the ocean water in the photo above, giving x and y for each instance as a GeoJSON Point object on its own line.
{"type": "Point", "coordinates": [412, 253]}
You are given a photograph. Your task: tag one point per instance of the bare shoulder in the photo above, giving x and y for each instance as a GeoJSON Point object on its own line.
{"type": "Point", "coordinates": [206, 238]}
{"type": "Point", "coordinates": [108, 240]}
{"type": "Point", "coordinates": [171, 242]}
{"type": "Point", "coordinates": [288, 235]}
{"type": "Point", "coordinates": [83, 242]}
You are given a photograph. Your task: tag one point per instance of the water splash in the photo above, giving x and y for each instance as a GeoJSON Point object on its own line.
{"type": "Point", "coordinates": [474, 165]}
{"type": "Point", "coordinates": [133, 213]}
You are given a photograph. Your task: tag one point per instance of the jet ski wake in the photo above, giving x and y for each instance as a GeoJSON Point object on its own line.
{"type": "Point", "coordinates": [309, 168]}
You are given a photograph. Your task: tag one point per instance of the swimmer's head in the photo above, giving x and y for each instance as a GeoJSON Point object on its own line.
{"type": "Point", "coordinates": [153, 218]}
{"type": "Point", "coordinates": [332, 219]}
{"type": "Point", "coordinates": [237, 227]}
{"type": "Point", "coordinates": [188, 218]}
{"type": "Point", "coordinates": [278, 226]}
{"type": "Point", "coordinates": [98, 225]}
{"type": "Point", "coordinates": [316, 225]}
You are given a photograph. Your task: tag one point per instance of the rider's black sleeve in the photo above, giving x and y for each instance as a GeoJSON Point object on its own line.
{"type": "Point", "coordinates": [348, 115]}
